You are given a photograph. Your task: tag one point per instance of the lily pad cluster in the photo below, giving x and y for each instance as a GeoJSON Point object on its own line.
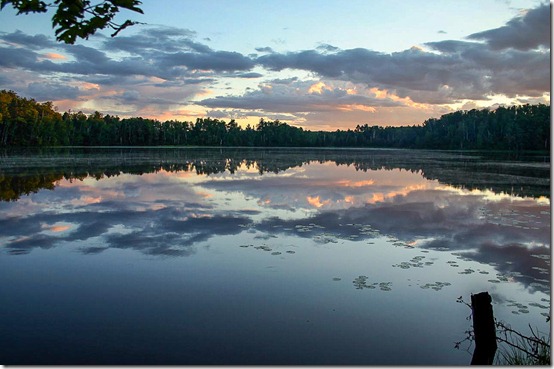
{"type": "Point", "coordinates": [524, 309]}
{"type": "Point", "coordinates": [360, 283]}
{"type": "Point", "coordinates": [265, 247]}
{"type": "Point", "coordinates": [437, 286]}
{"type": "Point", "coordinates": [325, 238]}
{"type": "Point", "coordinates": [505, 277]}
{"type": "Point", "coordinates": [415, 262]}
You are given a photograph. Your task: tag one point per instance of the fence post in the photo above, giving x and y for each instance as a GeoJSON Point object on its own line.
{"type": "Point", "coordinates": [484, 329]}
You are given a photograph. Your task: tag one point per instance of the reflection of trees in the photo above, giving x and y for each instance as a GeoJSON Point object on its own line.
{"type": "Point", "coordinates": [28, 171]}
{"type": "Point", "coordinates": [12, 187]}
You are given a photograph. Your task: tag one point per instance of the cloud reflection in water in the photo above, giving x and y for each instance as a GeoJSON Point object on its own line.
{"type": "Point", "coordinates": [171, 213]}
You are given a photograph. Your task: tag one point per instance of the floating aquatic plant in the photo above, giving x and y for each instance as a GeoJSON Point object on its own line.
{"type": "Point", "coordinates": [437, 286]}
{"type": "Point", "coordinates": [360, 283]}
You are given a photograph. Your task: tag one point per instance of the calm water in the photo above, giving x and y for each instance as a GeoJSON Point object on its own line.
{"type": "Point", "coordinates": [225, 256]}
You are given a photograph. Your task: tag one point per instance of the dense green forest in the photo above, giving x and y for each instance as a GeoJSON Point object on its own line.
{"type": "Point", "coordinates": [25, 122]}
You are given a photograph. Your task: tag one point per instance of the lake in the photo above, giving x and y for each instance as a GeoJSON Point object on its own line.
{"type": "Point", "coordinates": [266, 256]}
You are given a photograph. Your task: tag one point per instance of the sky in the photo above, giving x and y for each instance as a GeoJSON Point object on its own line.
{"type": "Point", "coordinates": [320, 65]}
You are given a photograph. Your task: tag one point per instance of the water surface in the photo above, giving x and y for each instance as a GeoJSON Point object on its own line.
{"type": "Point", "coordinates": [237, 256]}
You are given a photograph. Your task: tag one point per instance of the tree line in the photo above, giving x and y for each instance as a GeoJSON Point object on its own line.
{"type": "Point", "coordinates": [26, 122]}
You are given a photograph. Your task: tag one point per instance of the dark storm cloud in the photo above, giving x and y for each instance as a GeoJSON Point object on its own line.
{"type": "Point", "coordinates": [523, 33]}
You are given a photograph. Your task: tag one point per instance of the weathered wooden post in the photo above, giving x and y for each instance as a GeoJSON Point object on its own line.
{"type": "Point", "coordinates": [484, 329]}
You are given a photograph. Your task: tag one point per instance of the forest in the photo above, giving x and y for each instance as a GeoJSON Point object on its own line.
{"type": "Point", "coordinates": [26, 122]}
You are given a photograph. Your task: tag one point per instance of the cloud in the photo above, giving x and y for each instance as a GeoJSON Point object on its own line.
{"type": "Point", "coordinates": [250, 75]}
{"type": "Point", "coordinates": [442, 221]}
{"type": "Point", "coordinates": [216, 60]}
{"type": "Point", "coordinates": [266, 49]}
{"type": "Point", "coordinates": [151, 40]}
{"type": "Point", "coordinates": [510, 72]}
{"type": "Point", "coordinates": [526, 32]}
{"type": "Point", "coordinates": [52, 91]}
{"type": "Point", "coordinates": [460, 70]}
{"type": "Point", "coordinates": [294, 96]}
{"type": "Point", "coordinates": [14, 57]}
{"type": "Point", "coordinates": [165, 214]}
{"type": "Point", "coordinates": [165, 53]}
{"type": "Point", "coordinates": [450, 72]}
{"type": "Point", "coordinates": [240, 114]}
{"type": "Point", "coordinates": [158, 70]}
{"type": "Point", "coordinates": [327, 47]}
{"type": "Point", "coordinates": [36, 42]}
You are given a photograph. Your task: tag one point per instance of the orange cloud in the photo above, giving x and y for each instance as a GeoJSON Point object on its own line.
{"type": "Point", "coordinates": [352, 107]}
{"type": "Point", "coordinates": [346, 183]}
{"type": "Point", "coordinates": [56, 227]}
{"type": "Point", "coordinates": [204, 195]}
{"type": "Point", "coordinates": [318, 88]}
{"type": "Point", "coordinates": [407, 101]}
{"type": "Point", "coordinates": [54, 56]}
{"type": "Point", "coordinates": [59, 228]}
{"type": "Point", "coordinates": [316, 201]}
{"type": "Point", "coordinates": [86, 200]}
{"type": "Point", "coordinates": [89, 86]}
{"type": "Point", "coordinates": [380, 196]}
{"type": "Point", "coordinates": [179, 115]}
{"type": "Point", "coordinates": [349, 199]}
